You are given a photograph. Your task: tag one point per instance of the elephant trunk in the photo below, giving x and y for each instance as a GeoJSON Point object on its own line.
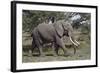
{"type": "Point", "coordinates": [76, 44]}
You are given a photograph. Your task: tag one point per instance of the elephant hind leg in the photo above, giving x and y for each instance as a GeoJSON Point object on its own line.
{"type": "Point", "coordinates": [39, 46]}
{"type": "Point", "coordinates": [38, 43]}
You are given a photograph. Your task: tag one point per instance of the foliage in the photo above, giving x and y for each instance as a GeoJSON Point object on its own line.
{"type": "Point", "coordinates": [33, 18]}
{"type": "Point", "coordinates": [81, 19]}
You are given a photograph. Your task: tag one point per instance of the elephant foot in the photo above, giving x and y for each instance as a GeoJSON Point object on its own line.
{"type": "Point", "coordinates": [67, 54]}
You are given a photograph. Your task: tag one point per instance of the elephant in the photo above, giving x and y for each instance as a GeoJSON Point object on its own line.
{"type": "Point", "coordinates": [53, 33]}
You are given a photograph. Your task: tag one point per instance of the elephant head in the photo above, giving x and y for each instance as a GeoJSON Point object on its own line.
{"type": "Point", "coordinates": [65, 28]}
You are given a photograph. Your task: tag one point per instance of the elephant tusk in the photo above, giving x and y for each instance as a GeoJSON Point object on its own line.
{"type": "Point", "coordinates": [77, 42]}
{"type": "Point", "coordinates": [73, 42]}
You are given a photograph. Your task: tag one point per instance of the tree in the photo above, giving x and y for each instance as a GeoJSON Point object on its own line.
{"type": "Point", "coordinates": [32, 18]}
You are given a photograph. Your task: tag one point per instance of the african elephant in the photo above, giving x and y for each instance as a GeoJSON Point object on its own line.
{"type": "Point", "coordinates": [44, 33]}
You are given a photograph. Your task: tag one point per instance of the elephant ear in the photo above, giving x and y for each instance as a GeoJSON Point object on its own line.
{"type": "Point", "coordinates": [59, 29]}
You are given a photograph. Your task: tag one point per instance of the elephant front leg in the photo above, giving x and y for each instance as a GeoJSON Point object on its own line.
{"type": "Point", "coordinates": [61, 44]}
{"type": "Point", "coordinates": [65, 50]}
{"type": "Point", "coordinates": [54, 49]}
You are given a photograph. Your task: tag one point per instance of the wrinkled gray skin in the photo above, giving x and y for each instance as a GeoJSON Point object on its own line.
{"type": "Point", "coordinates": [53, 33]}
